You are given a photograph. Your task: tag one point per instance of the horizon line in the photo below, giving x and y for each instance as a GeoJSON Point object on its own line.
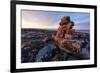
{"type": "Point", "coordinates": [51, 29]}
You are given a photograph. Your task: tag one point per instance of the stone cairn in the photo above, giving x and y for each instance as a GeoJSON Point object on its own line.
{"type": "Point", "coordinates": [64, 35]}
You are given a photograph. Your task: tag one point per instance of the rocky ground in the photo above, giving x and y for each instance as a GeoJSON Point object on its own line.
{"type": "Point", "coordinates": [33, 49]}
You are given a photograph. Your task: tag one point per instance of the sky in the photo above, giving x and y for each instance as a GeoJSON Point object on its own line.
{"type": "Point", "coordinates": [50, 19]}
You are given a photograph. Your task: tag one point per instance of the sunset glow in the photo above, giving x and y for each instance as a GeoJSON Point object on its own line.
{"type": "Point", "coordinates": [50, 20]}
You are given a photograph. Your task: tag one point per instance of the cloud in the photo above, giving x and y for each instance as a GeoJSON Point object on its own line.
{"type": "Point", "coordinates": [50, 20]}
